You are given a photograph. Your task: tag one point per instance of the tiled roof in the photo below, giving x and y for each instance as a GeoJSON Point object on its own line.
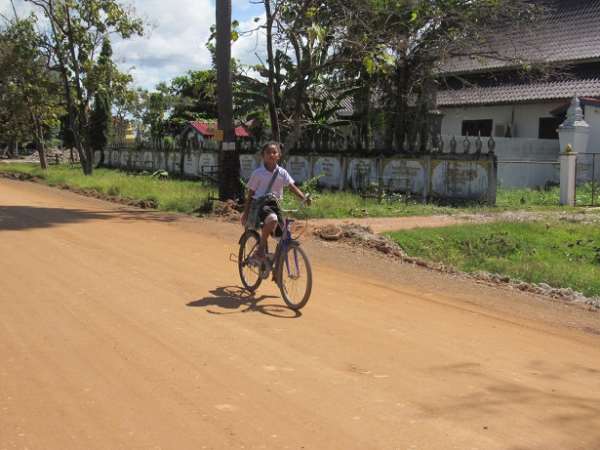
{"type": "Point", "coordinates": [208, 129]}
{"type": "Point", "coordinates": [569, 32]}
{"type": "Point", "coordinates": [517, 93]}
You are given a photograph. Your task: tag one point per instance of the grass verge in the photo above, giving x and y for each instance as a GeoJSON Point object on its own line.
{"type": "Point", "coordinates": [187, 196]}
{"type": "Point", "coordinates": [561, 255]}
{"type": "Point", "coordinates": [168, 195]}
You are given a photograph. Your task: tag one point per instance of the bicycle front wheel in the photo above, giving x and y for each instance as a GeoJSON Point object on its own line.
{"type": "Point", "coordinates": [249, 272]}
{"type": "Point", "coordinates": [295, 276]}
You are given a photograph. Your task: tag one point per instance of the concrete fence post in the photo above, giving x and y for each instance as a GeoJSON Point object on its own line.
{"type": "Point", "coordinates": [568, 163]}
{"type": "Point", "coordinates": [574, 134]}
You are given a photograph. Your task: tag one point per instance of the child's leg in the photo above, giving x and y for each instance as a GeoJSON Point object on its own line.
{"type": "Point", "coordinates": [267, 229]}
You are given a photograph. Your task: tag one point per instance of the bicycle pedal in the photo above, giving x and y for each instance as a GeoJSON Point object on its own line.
{"type": "Point", "coordinates": [233, 258]}
{"type": "Point", "coordinates": [265, 269]}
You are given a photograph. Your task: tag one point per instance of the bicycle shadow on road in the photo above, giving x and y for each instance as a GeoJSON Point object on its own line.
{"type": "Point", "coordinates": [239, 300]}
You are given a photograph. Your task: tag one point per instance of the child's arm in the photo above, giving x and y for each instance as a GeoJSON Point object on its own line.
{"type": "Point", "coordinates": [247, 206]}
{"type": "Point", "coordinates": [299, 193]}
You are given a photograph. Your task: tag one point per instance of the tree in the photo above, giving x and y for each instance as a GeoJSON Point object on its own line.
{"type": "Point", "coordinates": [271, 12]}
{"type": "Point", "coordinates": [396, 50]}
{"type": "Point", "coordinates": [77, 29]}
{"type": "Point", "coordinates": [127, 106]}
{"type": "Point", "coordinates": [101, 80]}
{"type": "Point", "coordinates": [100, 123]}
{"type": "Point", "coordinates": [154, 110]}
{"type": "Point", "coordinates": [29, 91]}
{"type": "Point", "coordinates": [229, 184]}
{"type": "Point", "coordinates": [195, 96]}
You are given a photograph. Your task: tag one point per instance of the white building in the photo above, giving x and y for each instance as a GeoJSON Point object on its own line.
{"type": "Point", "coordinates": [491, 97]}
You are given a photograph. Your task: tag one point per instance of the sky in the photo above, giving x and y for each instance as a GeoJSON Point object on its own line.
{"type": "Point", "coordinates": [175, 37]}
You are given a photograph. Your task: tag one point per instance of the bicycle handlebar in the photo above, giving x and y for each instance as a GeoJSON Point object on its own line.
{"type": "Point", "coordinates": [302, 204]}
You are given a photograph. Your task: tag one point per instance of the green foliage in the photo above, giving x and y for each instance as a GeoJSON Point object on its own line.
{"type": "Point", "coordinates": [75, 31]}
{"type": "Point", "coordinates": [556, 253]}
{"type": "Point", "coordinates": [194, 97]}
{"type": "Point", "coordinates": [29, 92]}
{"type": "Point", "coordinates": [100, 121]}
{"type": "Point", "coordinates": [169, 195]}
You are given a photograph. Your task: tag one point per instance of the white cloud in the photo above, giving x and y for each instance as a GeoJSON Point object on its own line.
{"type": "Point", "coordinates": [175, 40]}
{"type": "Point", "coordinates": [173, 44]}
{"type": "Point", "coordinates": [248, 46]}
{"type": "Point", "coordinates": [23, 9]}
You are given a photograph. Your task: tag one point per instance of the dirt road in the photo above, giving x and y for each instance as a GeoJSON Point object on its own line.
{"type": "Point", "coordinates": [121, 328]}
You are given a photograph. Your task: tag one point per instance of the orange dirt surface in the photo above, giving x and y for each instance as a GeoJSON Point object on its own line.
{"type": "Point", "coordinates": [122, 328]}
{"type": "Point", "coordinates": [382, 224]}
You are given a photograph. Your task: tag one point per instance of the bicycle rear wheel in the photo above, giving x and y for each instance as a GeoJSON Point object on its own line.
{"type": "Point", "coordinates": [249, 273]}
{"type": "Point", "coordinates": [294, 277]}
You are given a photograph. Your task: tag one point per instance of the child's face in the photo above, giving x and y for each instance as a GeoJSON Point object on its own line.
{"type": "Point", "coordinates": [271, 155]}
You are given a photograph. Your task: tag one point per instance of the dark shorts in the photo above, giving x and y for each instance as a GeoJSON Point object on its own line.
{"type": "Point", "coordinates": [271, 207]}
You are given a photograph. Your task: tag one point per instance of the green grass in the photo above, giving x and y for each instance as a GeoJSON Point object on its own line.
{"type": "Point", "coordinates": [169, 195]}
{"type": "Point", "coordinates": [559, 254]}
{"type": "Point", "coordinates": [186, 196]}
{"type": "Point", "coordinates": [527, 198]}
{"type": "Point", "coordinates": [341, 205]}
{"type": "Point", "coordinates": [538, 199]}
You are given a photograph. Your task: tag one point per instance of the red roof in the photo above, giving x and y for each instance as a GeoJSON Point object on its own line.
{"type": "Point", "coordinates": [208, 129]}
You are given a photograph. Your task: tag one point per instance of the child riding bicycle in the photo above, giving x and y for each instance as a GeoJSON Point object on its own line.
{"type": "Point", "coordinates": [265, 192]}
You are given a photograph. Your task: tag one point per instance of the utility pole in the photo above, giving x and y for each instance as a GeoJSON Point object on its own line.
{"type": "Point", "coordinates": [229, 167]}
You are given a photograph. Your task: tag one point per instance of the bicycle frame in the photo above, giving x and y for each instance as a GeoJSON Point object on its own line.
{"type": "Point", "coordinates": [282, 246]}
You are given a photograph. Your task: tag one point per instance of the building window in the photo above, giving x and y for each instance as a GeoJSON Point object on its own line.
{"type": "Point", "coordinates": [549, 127]}
{"type": "Point", "coordinates": [477, 127]}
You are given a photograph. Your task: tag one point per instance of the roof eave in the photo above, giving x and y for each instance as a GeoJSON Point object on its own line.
{"type": "Point", "coordinates": [509, 67]}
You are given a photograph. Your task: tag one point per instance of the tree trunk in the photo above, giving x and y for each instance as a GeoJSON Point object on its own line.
{"type": "Point", "coordinates": [42, 153]}
{"type": "Point", "coordinates": [298, 94]}
{"type": "Point", "coordinates": [275, 133]}
{"type": "Point", "coordinates": [89, 162]}
{"type": "Point", "coordinates": [229, 179]}
{"type": "Point", "coordinates": [40, 145]}
{"type": "Point", "coordinates": [401, 117]}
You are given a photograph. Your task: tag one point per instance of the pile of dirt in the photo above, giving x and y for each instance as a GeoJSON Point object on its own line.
{"type": "Point", "coordinates": [362, 236]}
{"type": "Point", "coordinates": [228, 210]}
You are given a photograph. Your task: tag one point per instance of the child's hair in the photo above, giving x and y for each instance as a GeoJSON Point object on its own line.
{"type": "Point", "coordinates": [275, 144]}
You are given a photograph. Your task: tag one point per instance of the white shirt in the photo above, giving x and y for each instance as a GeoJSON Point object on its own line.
{"type": "Point", "coordinates": [261, 177]}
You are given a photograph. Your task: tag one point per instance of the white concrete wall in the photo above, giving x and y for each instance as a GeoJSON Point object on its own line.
{"type": "Point", "coordinates": [525, 118]}
{"type": "Point", "coordinates": [460, 177]}
{"type": "Point", "coordinates": [521, 162]}
{"type": "Point", "coordinates": [592, 117]}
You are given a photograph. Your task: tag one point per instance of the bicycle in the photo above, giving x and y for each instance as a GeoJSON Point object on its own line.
{"type": "Point", "coordinates": [289, 266]}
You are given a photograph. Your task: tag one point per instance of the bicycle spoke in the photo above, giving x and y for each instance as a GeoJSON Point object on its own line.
{"type": "Point", "coordinates": [249, 273]}
{"type": "Point", "coordinates": [296, 278]}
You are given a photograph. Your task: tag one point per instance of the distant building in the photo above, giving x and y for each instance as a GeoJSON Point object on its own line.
{"type": "Point", "coordinates": [202, 134]}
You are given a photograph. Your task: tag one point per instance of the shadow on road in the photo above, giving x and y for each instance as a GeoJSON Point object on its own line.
{"type": "Point", "coordinates": [238, 300]}
{"type": "Point", "coordinates": [19, 218]}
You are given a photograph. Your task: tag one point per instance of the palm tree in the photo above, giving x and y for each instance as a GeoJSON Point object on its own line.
{"type": "Point", "coordinates": [229, 184]}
